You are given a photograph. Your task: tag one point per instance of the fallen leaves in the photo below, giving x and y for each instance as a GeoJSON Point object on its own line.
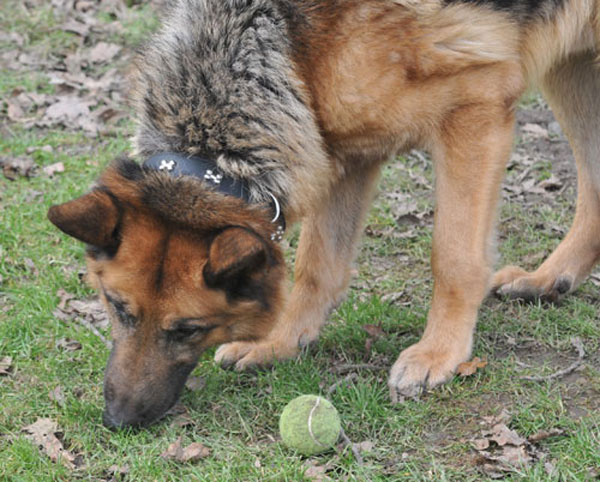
{"type": "Point", "coordinates": [53, 169]}
{"type": "Point", "coordinates": [18, 167]}
{"type": "Point", "coordinates": [43, 434]}
{"type": "Point", "coordinates": [192, 453]}
{"type": "Point", "coordinates": [103, 52]}
{"type": "Point", "coordinates": [89, 313]}
{"type": "Point", "coordinates": [374, 332]}
{"type": "Point", "coordinates": [5, 365]}
{"type": "Point", "coordinates": [195, 383]}
{"type": "Point", "coordinates": [501, 450]}
{"type": "Point", "coordinates": [67, 344]}
{"type": "Point", "coordinates": [469, 368]}
{"type": "Point", "coordinates": [87, 97]}
{"type": "Point", "coordinates": [58, 396]}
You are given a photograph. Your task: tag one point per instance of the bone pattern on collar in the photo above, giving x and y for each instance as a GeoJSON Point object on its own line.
{"type": "Point", "coordinates": [177, 164]}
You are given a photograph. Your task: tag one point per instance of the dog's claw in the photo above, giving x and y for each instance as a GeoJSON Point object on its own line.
{"type": "Point", "coordinates": [420, 368]}
{"type": "Point", "coordinates": [516, 283]}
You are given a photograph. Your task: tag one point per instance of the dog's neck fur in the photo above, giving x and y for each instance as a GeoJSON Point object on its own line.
{"type": "Point", "coordinates": [218, 80]}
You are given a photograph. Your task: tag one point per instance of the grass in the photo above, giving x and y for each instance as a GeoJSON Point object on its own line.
{"type": "Point", "coordinates": [236, 414]}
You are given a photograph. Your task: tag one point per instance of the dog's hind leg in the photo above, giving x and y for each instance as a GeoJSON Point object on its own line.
{"type": "Point", "coordinates": [573, 92]}
{"type": "Point", "coordinates": [470, 156]}
{"type": "Point", "coordinates": [322, 272]}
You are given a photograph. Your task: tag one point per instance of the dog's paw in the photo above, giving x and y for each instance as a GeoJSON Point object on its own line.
{"type": "Point", "coordinates": [516, 283]}
{"type": "Point", "coordinates": [247, 354]}
{"type": "Point", "coordinates": [421, 367]}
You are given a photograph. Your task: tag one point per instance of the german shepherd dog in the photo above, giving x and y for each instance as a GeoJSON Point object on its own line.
{"type": "Point", "coordinates": [254, 110]}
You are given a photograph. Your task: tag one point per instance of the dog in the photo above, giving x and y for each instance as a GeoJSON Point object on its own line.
{"type": "Point", "coordinates": [254, 113]}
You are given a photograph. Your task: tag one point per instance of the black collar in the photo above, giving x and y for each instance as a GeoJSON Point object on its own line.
{"type": "Point", "coordinates": [207, 170]}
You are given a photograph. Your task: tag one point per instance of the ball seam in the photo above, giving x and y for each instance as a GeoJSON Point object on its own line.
{"type": "Point", "coordinates": [310, 415]}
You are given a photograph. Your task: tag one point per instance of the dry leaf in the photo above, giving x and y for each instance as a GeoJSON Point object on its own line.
{"type": "Point", "coordinates": [76, 27]}
{"type": "Point", "coordinates": [42, 432]}
{"type": "Point", "coordinates": [54, 168]}
{"type": "Point", "coordinates": [91, 310]}
{"type": "Point", "coordinates": [5, 365]}
{"type": "Point", "coordinates": [374, 331]}
{"type": "Point", "coordinates": [192, 453]}
{"type": "Point", "coordinates": [553, 183]}
{"type": "Point", "coordinates": [535, 130]}
{"type": "Point", "coordinates": [365, 446]}
{"type": "Point", "coordinates": [18, 167]}
{"type": "Point", "coordinates": [469, 368]}
{"type": "Point", "coordinates": [57, 395]}
{"type": "Point", "coordinates": [118, 470]}
{"type": "Point", "coordinates": [67, 110]}
{"type": "Point", "coordinates": [103, 52]}
{"type": "Point", "coordinates": [68, 344]}
{"type": "Point", "coordinates": [481, 443]}
{"type": "Point", "coordinates": [544, 434]}
{"type": "Point", "coordinates": [502, 435]}
{"type": "Point", "coordinates": [195, 383]}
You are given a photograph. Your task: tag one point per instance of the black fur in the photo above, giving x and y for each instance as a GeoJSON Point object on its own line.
{"type": "Point", "coordinates": [520, 8]}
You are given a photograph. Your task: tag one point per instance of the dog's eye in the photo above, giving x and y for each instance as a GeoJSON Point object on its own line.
{"type": "Point", "coordinates": [183, 332]}
{"type": "Point", "coordinates": [121, 310]}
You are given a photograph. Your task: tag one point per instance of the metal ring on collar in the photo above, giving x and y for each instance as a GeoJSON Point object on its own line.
{"type": "Point", "coordinates": [277, 207]}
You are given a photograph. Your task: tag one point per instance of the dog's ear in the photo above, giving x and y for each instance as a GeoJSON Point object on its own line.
{"type": "Point", "coordinates": [92, 218]}
{"type": "Point", "coordinates": [234, 255]}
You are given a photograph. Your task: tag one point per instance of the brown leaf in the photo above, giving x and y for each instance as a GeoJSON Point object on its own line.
{"type": "Point", "coordinates": [64, 298]}
{"type": "Point", "coordinates": [374, 331]}
{"type": "Point", "coordinates": [544, 434]}
{"type": "Point", "coordinates": [14, 111]}
{"type": "Point", "coordinates": [535, 130]}
{"type": "Point", "coordinates": [76, 27]}
{"type": "Point", "coordinates": [364, 446]}
{"type": "Point", "coordinates": [502, 435]}
{"type": "Point", "coordinates": [121, 470]}
{"type": "Point", "coordinates": [553, 183]}
{"type": "Point", "coordinates": [68, 345]}
{"type": "Point", "coordinates": [42, 432]}
{"type": "Point", "coordinates": [481, 443]}
{"type": "Point", "coordinates": [103, 52]}
{"type": "Point", "coordinates": [91, 310]}
{"type": "Point", "coordinates": [52, 169]}
{"type": "Point", "coordinates": [5, 365]}
{"type": "Point", "coordinates": [195, 383]}
{"type": "Point", "coordinates": [502, 417]}
{"type": "Point", "coordinates": [57, 395]}
{"type": "Point", "coordinates": [18, 167]}
{"type": "Point", "coordinates": [67, 110]}
{"type": "Point", "coordinates": [192, 453]}
{"type": "Point", "coordinates": [514, 456]}
{"type": "Point", "coordinates": [183, 420]}
{"type": "Point", "coordinates": [469, 368]}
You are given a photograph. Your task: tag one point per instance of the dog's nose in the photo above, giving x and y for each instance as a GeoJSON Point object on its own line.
{"type": "Point", "coordinates": [115, 422]}
{"type": "Point", "coordinates": [109, 421]}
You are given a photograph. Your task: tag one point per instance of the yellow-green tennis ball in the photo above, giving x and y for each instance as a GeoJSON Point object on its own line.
{"type": "Point", "coordinates": [310, 424]}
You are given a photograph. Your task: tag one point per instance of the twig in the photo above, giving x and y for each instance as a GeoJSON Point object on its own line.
{"type": "Point", "coordinates": [358, 366]}
{"type": "Point", "coordinates": [576, 342]}
{"type": "Point", "coordinates": [355, 451]}
{"type": "Point", "coordinates": [350, 378]}
{"type": "Point", "coordinates": [83, 322]}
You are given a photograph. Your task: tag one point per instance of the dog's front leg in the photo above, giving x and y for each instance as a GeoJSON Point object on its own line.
{"type": "Point", "coordinates": [322, 272]}
{"type": "Point", "coordinates": [470, 153]}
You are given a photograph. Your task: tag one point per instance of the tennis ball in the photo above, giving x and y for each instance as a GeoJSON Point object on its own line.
{"type": "Point", "coordinates": [310, 424]}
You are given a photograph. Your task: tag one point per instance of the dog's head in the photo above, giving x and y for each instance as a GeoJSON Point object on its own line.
{"type": "Point", "coordinates": [180, 268]}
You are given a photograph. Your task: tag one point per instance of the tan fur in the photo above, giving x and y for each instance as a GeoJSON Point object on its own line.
{"type": "Point", "coordinates": [359, 81]}
{"type": "Point", "coordinates": [446, 79]}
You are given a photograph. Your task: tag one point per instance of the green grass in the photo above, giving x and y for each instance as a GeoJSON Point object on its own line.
{"type": "Point", "coordinates": [236, 414]}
